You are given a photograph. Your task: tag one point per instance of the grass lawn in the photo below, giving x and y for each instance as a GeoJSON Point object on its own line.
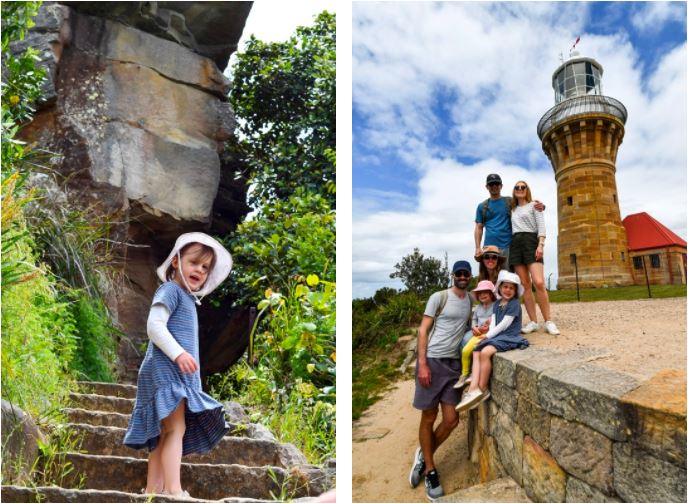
{"type": "Point", "coordinates": [618, 293]}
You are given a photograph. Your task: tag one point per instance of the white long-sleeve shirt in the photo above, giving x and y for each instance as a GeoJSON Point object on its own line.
{"type": "Point", "coordinates": [527, 219]}
{"type": "Point", "coordinates": [159, 334]}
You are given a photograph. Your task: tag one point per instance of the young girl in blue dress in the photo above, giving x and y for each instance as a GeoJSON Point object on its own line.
{"type": "Point", "coordinates": [172, 415]}
{"type": "Point", "coordinates": [504, 335]}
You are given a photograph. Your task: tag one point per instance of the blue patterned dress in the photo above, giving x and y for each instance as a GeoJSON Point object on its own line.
{"type": "Point", "coordinates": [161, 385]}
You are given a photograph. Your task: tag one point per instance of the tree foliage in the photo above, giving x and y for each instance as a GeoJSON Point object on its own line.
{"type": "Point", "coordinates": [421, 275]}
{"type": "Point", "coordinates": [284, 100]}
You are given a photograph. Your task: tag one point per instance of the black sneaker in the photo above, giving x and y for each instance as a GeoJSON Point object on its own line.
{"type": "Point", "coordinates": [416, 474]}
{"type": "Point", "coordinates": [433, 488]}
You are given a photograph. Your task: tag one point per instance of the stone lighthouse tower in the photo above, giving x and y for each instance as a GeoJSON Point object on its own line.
{"type": "Point", "coordinates": [581, 135]}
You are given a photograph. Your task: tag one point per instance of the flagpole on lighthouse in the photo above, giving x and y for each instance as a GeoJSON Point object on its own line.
{"type": "Point", "coordinates": [574, 45]}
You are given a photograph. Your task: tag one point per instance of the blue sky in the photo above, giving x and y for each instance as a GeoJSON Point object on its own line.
{"type": "Point", "coordinates": [445, 93]}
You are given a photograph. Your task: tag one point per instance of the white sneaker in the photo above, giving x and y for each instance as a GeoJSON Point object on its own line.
{"type": "Point", "coordinates": [530, 327]}
{"type": "Point", "coordinates": [463, 381]}
{"type": "Point", "coordinates": [469, 399]}
{"type": "Point", "coordinates": [551, 328]}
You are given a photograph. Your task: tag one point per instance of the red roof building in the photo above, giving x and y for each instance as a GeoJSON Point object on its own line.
{"type": "Point", "coordinates": [657, 253]}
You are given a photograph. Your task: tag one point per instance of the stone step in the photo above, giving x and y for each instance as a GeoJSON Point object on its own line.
{"type": "Point", "coordinates": [18, 494]}
{"type": "Point", "coordinates": [101, 403]}
{"type": "Point", "coordinates": [108, 389]}
{"type": "Point", "coordinates": [100, 418]}
{"type": "Point", "coordinates": [207, 481]}
{"type": "Point", "coordinates": [504, 490]}
{"type": "Point", "coordinates": [107, 440]}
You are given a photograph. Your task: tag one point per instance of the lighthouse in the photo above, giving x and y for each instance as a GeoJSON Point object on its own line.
{"type": "Point", "coordinates": [581, 135]}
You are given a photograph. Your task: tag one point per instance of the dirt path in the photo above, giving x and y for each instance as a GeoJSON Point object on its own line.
{"type": "Point", "coordinates": [386, 435]}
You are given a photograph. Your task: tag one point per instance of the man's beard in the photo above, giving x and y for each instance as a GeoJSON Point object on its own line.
{"type": "Point", "coordinates": [461, 284]}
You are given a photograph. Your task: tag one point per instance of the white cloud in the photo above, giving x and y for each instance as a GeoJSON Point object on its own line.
{"type": "Point", "coordinates": [493, 63]}
{"type": "Point", "coordinates": [652, 15]}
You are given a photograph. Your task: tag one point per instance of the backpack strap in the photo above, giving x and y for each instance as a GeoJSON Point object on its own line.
{"type": "Point", "coordinates": [444, 295]}
{"type": "Point", "coordinates": [486, 202]}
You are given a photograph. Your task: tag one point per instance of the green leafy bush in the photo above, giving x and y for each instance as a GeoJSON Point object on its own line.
{"type": "Point", "coordinates": [285, 239]}
{"type": "Point", "coordinates": [284, 97]}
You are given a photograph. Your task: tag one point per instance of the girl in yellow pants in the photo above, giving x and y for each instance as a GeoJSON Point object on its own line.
{"type": "Point", "coordinates": [479, 326]}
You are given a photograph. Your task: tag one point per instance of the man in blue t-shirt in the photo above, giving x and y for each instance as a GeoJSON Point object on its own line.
{"type": "Point", "coordinates": [495, 218]}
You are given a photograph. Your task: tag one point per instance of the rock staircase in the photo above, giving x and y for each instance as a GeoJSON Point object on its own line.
{"type": "Point", "coordinates": [247, 466]}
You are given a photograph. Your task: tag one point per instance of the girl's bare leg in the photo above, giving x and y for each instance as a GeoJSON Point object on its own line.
{"type": "Point", "coordinates": [537, 272]}
{"type": "Point", "coordinates": [475, 372]}
{"type": "Point", "coordinates": [171, 450]}
{"type": "Point", "coordinates": [154, 485]}
{"type": "Point", "coordinates": [528, 300]}
{"type": "Point", "coordinates": [486, 366]}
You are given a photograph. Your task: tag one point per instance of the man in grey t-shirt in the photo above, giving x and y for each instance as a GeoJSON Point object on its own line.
{"type": "Point", "coordinates": [437, 370]}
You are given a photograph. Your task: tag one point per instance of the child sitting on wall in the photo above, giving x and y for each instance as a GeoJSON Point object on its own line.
{"type": "Point", "coordinates": [504, 335]}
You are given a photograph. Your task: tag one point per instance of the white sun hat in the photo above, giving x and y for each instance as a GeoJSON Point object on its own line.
{"type": "Point", "coordinates": [509, 277]}
{"type": "Point", "coordinates": [222, 268]}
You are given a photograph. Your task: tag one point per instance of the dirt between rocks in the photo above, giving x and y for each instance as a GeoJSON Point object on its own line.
{"type": "Point", "coordinates": [641, 338]}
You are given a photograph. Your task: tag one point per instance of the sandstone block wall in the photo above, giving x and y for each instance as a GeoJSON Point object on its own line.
{"type": "Point", "coordinates": [671, 270]}
{"type": "Point", "coordinates": [583, 155]}
{"type": "Point", "coordinates": [570, 431]}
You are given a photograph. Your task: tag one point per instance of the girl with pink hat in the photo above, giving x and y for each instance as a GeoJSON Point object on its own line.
{"type": "Point", "coordinates": [482, 314]}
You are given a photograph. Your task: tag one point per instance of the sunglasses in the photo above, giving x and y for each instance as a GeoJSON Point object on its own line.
{"type": "Point", "coordinates": [490, 257]}
{"type": "Point", "coordinates": [520, 187]}
{"type": "Point", "coordinates": [492, 184]}
{"type": "Point", "coordinates": [462, 274]}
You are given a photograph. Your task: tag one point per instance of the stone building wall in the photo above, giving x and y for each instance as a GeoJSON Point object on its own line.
{"type": "Point", "coordinates": [668, 268]}
{"type": "Point", "coordinates": [570, 431]}
{"type": "Point", "coordinates": [583, 155]}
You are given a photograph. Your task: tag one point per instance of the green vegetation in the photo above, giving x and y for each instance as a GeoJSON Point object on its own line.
{"type": "Point", "coordinates": [618, 293]}
{"type": "Point", "coordinates": [284, 96]}
{"type": "Point", "coordinates": [420, 274]}
{"type": "Point", "coordinates": [284, 100]}
{"type": "Point", "coordinates": [55, 328]}
{"type": "Point", "coordinates": [377, 324]}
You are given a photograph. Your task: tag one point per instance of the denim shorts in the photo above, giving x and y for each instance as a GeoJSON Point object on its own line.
{"type": "Point", "coordinates": [444, 374]}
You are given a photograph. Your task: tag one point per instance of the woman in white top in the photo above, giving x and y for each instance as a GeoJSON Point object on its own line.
{"type": "Point", "coordinates": [526, 255]}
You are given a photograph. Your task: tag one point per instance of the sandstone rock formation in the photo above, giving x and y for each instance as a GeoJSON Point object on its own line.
{"type": "Point", "coordinates": [20, 437]}
{"type": "Point", "coordinates": [136, 110]}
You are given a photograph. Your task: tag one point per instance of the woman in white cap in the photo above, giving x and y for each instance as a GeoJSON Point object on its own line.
{"type": "Point", "coordinates": [172, 415]}
{"type": "Point", "coordinates": [504, 334]}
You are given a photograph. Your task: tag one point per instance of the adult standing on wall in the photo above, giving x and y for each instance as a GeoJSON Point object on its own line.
{"type": "Point", "coordinates": [445, 320]}
{"type": "Point", "coordinates": [494, 216]}
{"type": "Point", "coordinates": [526, 255]}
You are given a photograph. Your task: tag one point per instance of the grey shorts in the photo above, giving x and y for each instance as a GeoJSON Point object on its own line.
{"type": "Point", "coordinates": [444, 374]}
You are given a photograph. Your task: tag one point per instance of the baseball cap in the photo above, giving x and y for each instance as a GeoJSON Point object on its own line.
{"type": "Point", "coordinates": [493, 178]}
{"type": "Point", "coordinates": [461, 265]}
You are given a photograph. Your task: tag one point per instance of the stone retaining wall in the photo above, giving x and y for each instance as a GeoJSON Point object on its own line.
{"type": "Point", "coordinates": [569, 430]}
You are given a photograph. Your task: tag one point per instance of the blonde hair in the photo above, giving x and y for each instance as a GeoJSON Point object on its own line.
{"type": "Point", "coordinates": [529, 196]}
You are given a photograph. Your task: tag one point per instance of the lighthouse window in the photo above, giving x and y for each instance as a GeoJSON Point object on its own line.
{"type": "Point", "coordinates": [654, 258]}
{"type": "Point", "coordinates": [623, 257]}
{"type": "Point", "coordinates": [614, 195]}
{"type": "Point", "coordinates": [570, 200]}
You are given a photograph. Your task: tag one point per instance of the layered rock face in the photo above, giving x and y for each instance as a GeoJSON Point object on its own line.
{"type": "Point", "coordinates": [137, 114]}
